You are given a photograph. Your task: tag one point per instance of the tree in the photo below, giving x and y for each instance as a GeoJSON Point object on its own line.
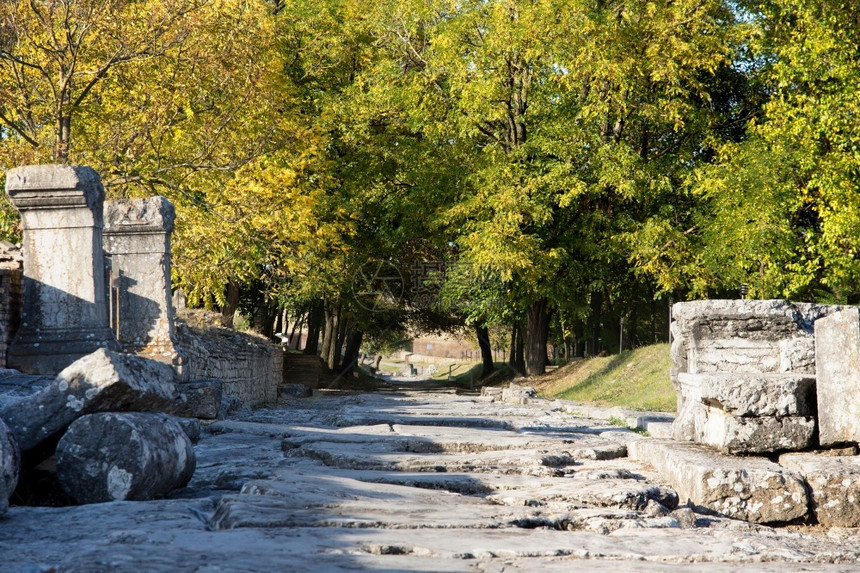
{"type": "Point", "coordinates": [778, 209]}
{"type": "Point", "coordinates": [582, 121]}
{"type": "Point", "coordinates": [53, 54]}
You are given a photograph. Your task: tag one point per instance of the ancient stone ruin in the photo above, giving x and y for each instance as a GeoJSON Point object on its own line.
{"type": "Point", "coordinates": [92, 360]}
{"type": "Point", "coordinates": [768, 397]}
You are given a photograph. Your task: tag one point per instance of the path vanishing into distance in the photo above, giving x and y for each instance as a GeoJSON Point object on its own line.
{"type": "Point", "coordinates": [413, 478]}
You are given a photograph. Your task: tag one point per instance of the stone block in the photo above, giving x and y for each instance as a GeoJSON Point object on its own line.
{"type": "Point", "coordinates": [749, 488]}
{"type": "Point", "coordinates": [63, 315]}
{"type": "Point", "coordinates": [834, 486]}
{"type": "Point", "coordinates": [837, 359]}
{"type": "Point", "coordinates": [755, 394]}
{"type": "Point", "coordinates": [516, 394]}
{"type": "Point", "coordinates": [746, 336]}
{"type": "Point", "coordinates": [746, 413]}
{"type": "Point", "coordinates": [202, 399]}
{"type": "Point", "coordinates": [744, 435]}
{"type": "Point", "coordinates": [124, 456]}
{"type": "Point", "coordinates": [102, 381]}
{"type": "Point", "coordinates": [10, 465]}
{"type": "Point", "coordinates": [294, 391]}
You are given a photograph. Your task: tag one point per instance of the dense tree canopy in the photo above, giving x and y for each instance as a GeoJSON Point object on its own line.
{"type": "Point", "coordinates": [565, 164]}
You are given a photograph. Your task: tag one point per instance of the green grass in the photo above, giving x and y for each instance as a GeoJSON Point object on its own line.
{"type": "Point", "coordinates": [637, 379]}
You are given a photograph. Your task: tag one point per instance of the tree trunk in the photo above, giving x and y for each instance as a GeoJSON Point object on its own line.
{"type": "Point", "coordinates": [632, 334]}
{"type": "Point", "coordinates": [315, 319]}
{"type": "Point", "coordinates": [483, 334]}
{"type": "Point", "coordinates": [336, 352]}
{"type": "Point", "coordinates": [535, 338]}
{"type": "Point", "coordinates": [330, 332]}
{"type": "Point", "coordinates": [518, 361]}
{"type": "Point", "coordinates": [350, 357]}
{"type": "Point", "coordinates": [579, 340]}
{"type": "Point", "coordinates": [595, 318]}
{"type": "Point", "coordinates": [264, 320]}
{"type": "Point", "coordinates": [232, 302]}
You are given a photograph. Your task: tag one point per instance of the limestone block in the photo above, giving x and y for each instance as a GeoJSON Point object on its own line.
{"type": "Point", "coordinates": [202, 399]}
{"type": "Point", "coordinates": [837, 359]}
{"type": "Point", "coordinates": [516, 394]}
{"type": "Point", "coordinates": [294, 391]}
{"type": "Point", "coordinates": [10, 465]}
{"type": "Point", "coordinates": [691, 410]}
{"type": "Point", "coordinates": [755, 394]}
{"type": "Point", "coordinates": [64, 315]}
{"type": "Point", "coordinates": [124, 456]}
{"type": "Point", "coordinates": [834, 485]}
{"type": "Point", "coordinates": [745, 336]}
{"type": "Point", "coordinates": [749, 488]}
{"type": "Point", "coordinates": [745, 435]}
{"type": "Point", "coordinates": [102, 381]}
{"type": "Point", "coordinates": [191, 426]}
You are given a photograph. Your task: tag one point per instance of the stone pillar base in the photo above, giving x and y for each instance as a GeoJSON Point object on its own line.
{"type": "Point", "coordinates": [49, 351]}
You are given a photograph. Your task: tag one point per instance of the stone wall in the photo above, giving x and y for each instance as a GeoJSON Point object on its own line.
{"type": "Point", "coordinates": [10, 296]}
{"type": "Point", "coordinates": [249, 367]}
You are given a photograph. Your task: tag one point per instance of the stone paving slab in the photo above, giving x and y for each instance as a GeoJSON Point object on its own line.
{"type": "Point", "coordinates": [252, 506]}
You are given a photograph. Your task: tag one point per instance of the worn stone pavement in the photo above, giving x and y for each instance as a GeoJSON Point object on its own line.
{"type": "Point", "coordinates": [412, 479]}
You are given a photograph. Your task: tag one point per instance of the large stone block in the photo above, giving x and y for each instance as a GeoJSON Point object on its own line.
{"type": "Point", "coordinates": [10, 465]}
{"type": "Point", "coordinates": [749, 488]}
{"type": "Point", "coordinates": [834, 485]}
{"type": "Point", "coordinates": [755, 394]}
{"type": "Point", "coordinates": [64, 311]}
{"type": "Point", "coordinates": [746, 413]}
{"type": "Point", "coordinates": [102, 381]}
{"type": "Point", "coordinates": [741, 435]}
{"type": "Point", "coordinates": [837, 359]}
{"type": "Point", "coordinates": [746, 336]}
{"type": "Point", "coordinates": [202, 399]}
{"type": "Point", "coordinates": [124, 456]}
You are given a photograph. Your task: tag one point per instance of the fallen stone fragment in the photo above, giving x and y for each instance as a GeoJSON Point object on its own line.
{"type": "Point", "coordinates": [124, 456]}
{"type": "Point", "coordinates": [294, 391]}
{"type": "Point", "coordinates": [191, 427]}
{"type": "Point", "coordinates": [749, 488]}
{"type": "Point", "coordinates": [10, 465]}
{"type": "Point", "coordinates": [837, 367]}
{"type": "Point", "coordinates": [516, 394]}
{"type": "Point", "coordinates": [202, 399]}
{"type": "Point", "coordinates": [834, 484]}
{"type": "Point", "coordinates": [99, 382]}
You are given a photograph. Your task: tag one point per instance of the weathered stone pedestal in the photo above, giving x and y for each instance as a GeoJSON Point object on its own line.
{"type": "Point", "coordinates": [137, 238]}
{"type": "Point", "coordinates": [744, 371]}
{"type": "Point", "coordinates": [64, 315]}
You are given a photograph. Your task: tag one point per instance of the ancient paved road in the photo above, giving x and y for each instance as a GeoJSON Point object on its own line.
{"type": "Point", "coordinates": [411, 480]}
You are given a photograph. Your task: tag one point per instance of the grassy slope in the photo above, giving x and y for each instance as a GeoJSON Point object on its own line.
{"type": "Point", "coordinates": [637, 379]}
